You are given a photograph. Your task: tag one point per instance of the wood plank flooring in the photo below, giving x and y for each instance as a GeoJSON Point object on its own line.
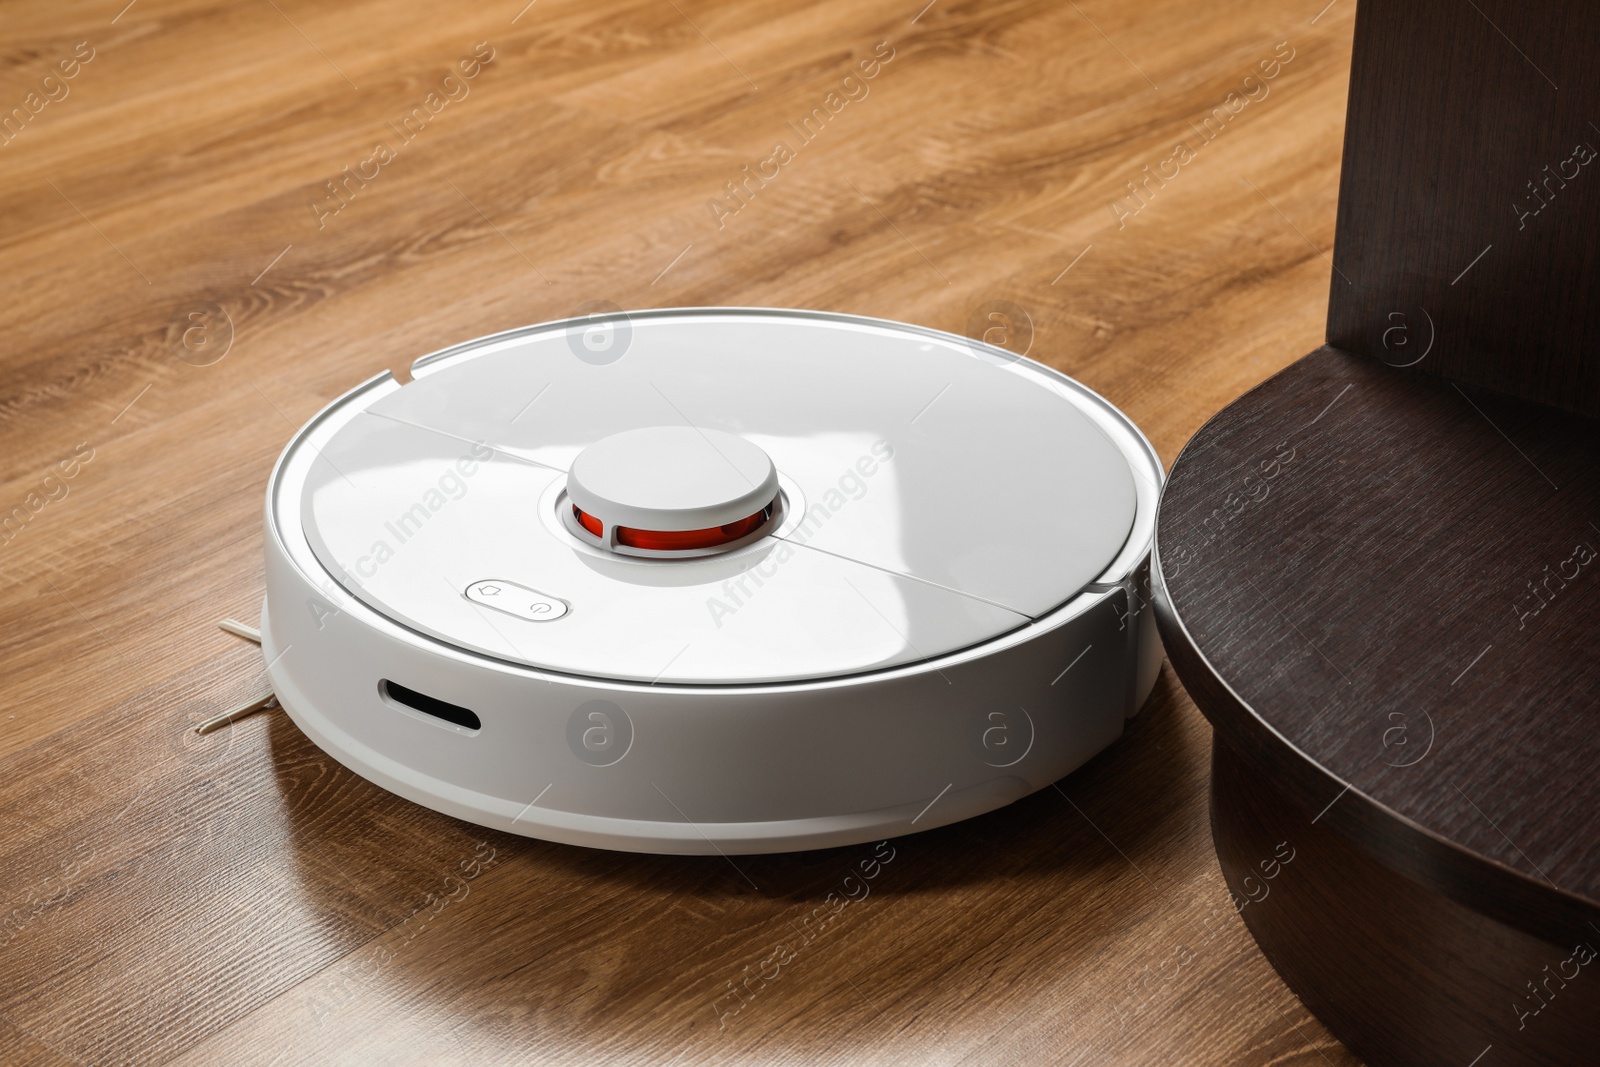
{"type": "Point", "coordinates": [180, 295]}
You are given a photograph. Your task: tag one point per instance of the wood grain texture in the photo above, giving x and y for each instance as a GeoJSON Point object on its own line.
{"type": "Point", "coordinates": [1373, 577]}
{"type": "Point", "coordinates": [1363, 592]}
{"type": "Point", "coordinates": [1361, 557]}
{"type": "Point", "coordinates": [1376, 575]}
{"type": "Point", "coordinates": [1454, 985]}
{"type": "Point", "coordinates": [240, 898]}
{"type": "Point", "coordinates": [1470, 196]}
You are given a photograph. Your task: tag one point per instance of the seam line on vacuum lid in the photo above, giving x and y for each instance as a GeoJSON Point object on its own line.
{"type": "Point", "coordinates": [503, 450]}
{"type": "Point", "coordinates": [936, 585]}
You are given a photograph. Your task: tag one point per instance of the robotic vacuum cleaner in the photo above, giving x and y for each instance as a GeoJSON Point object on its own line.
{"type": "Point", "coordinates": [713, 580]}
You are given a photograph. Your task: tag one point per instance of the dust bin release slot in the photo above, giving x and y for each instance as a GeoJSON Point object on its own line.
{"type": "Point", "coordinates": [454, 714]}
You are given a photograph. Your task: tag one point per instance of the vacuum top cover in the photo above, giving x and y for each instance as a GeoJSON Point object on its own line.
{"type": "Point", "coordinates": [714, 497]}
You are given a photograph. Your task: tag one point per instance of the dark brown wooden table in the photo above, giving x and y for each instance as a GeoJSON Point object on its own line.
{"type": "Point", "coordinates": [1379, 566]}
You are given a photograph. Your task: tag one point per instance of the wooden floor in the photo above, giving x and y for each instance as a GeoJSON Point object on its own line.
{"type": "Point", "coordinates": [182, 290]}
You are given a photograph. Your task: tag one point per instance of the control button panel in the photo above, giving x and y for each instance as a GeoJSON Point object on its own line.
{"type": "Point", "coordinates": [518, 600]}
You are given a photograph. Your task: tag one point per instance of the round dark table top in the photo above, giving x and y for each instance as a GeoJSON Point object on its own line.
{"type": "Point", "coordinates": [1385, 590]}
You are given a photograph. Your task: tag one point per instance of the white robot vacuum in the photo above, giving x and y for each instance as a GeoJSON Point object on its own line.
{"type": "Point", "coordinates": [713, 580]}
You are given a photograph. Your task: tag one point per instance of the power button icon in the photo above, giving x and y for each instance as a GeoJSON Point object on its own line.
{"type": "Point", "coordinates": [518, 600]}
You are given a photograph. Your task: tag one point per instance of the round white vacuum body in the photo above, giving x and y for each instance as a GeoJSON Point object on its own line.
{"type": "Point", "coordinates": [713, 580]}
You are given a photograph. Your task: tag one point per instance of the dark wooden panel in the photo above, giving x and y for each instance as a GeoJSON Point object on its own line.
{"type": "Point", "coordinates": [1469, 201]}
{"type": "Point", "coordinates": [1403, 974]}
{"type": "Point", "coordinates": [1381, 568]}
{"type": "Point", "coordinates": [1365, 591]}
